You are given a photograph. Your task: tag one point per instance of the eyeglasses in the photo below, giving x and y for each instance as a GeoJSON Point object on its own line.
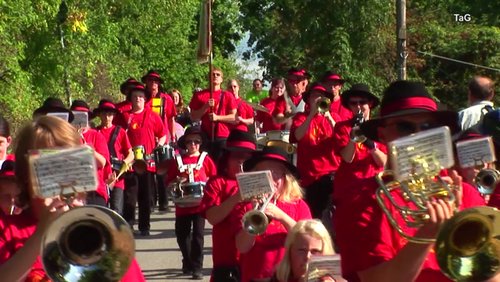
{"type": "Point", "coordinates": [408, 127]}
{"type": "Point", "coordinates": [358, 102]}
{"type": "Point", "coordinates": [196, 142]}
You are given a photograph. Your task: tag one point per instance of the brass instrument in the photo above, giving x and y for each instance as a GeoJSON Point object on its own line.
{"type": "Point", "coordinates": [90, 243]}
{"type": "Point", "coordinates": [255, 222]}
{"type": "Point", "coordinates": [356, 133]}
{"type": "Point", "coordinates": [323, 105]}
{"type": "Point", "coordinates": [486, 180]}
{"type": "Point", "coordinates": [468, 246]}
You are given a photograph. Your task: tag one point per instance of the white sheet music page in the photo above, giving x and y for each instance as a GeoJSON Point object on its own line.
{"type": "Point", "coordinates": [63, 171]}
{"type": "Point", "coordinates": [475, 152]}
{"type": "Point", "coordinates": [254, 184]}
{"type": "Point", "coordinates": [80, 120]}
{"type": "Point", "coordinates": [322, 265]}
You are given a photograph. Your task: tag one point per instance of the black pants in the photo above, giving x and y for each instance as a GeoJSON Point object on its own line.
{"type": "Point", "coordinates": [190, 243]}
{"type": "Point", "coordinates": [318, 195]}
{"type": "Point", "coordinates": [162, 192]}
{"type": "Point", "coordinates": [116, 200]}
{"type": "Point", "coordinates": [216, 148]}
{"type": "Point", "coordinates": [93, 198]}
{"type": "Point", "coordinates": [141, 193]}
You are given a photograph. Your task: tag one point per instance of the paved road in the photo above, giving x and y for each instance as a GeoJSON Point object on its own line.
{"type": "Point", "coordinates": [160, 257]}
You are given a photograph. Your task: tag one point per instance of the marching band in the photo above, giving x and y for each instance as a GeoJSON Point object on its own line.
{"type": "Point", "coordinates": [328, 159]}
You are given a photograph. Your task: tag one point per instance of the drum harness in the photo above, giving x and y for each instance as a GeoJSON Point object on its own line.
{"type": "Point", "coordinates": [190, 167]}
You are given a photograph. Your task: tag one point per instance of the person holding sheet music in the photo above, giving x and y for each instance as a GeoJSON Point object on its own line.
{"type": "Point", "coordinates": [371, 249]}
{"type": "Point", "coordinates": [22, 232]}
{"type": "Point", "coordinates": [261, 253]}
{"type": "Point", "coordinates": [96, 140]}
{"type": "Point", "coordinates": [192, 166]}
{"type": "Point", "coordinates": [5, 140]}
{"type": "Point", "coordinates": [144, 128]}
{"type": "Point", "coordinates": [291, 103]}
{"type": "Point", "coordinates": [54, 106]}
{"type": "Point", "coordinates": [220, 197]}
{"type": "Point", "coordinates": [307, 238]}
{"type": "Point", "coordinates": [120, 152]}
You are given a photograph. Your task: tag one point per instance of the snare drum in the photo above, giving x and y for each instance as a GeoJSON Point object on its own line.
{"type": "Point", "coordinates": [138, 152]}
{"type": "Point", "coordinates": [163, 153]}
{"type": "Point", "coordinates": [116, 164]}
{"type": "Point", "coordinates": [278, 135]}
{"type": "Point", "coordinates": [188, 194]}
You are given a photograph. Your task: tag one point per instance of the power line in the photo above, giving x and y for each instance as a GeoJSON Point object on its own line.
{"type": "Point", "coordinates": [458, 61]}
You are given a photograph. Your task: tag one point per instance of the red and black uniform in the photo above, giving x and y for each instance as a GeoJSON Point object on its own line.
{"type": "Point", "coordinates": [97, 141]}
{"type": "Point", "coordinates": [245, 111]}
{"type": "Point", "coordinates": [337, 108]}
{"type": "Point", "coordinates": [191, 246]}
{"type": "Point", "coordinates": [266, 119]}
{"type": "Point", "coordinates": [316, 160]}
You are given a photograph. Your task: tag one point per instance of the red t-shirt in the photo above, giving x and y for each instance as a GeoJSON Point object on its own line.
{"type": "Point", "coordinates": [121, 145]}
{"type": "Point", "coordinates": [366, 238]}
{"type": "Point", "coordinates": [218, 190]}
{"type": "Point", "coordinates": [124, 106]}
{"type": "Point", "coordinates": [201, 98]}
{"type": "Point", "coordinates": [339, 109]}
{"type": "Point", "coordinates": [143, 128]}
{"type": "Point", "coordinates": [169, 111]}
{"type": "Point", "coordinates": [207, 170]}
{"type": "Point", "coordinates": [245, 111]}
{"type": "Point", "coordinates": [15, 230]}
{"type": "Point", "coordinates": [363, 166]}
{"type": "Point", "coordinates": [96, 140]}
{"type": "Point", "coordinates": [280, 106]}
{"type": "Point", "coordinates": [315, 156]}
{"type": "Point", "coordinates": [266, 119]}
{"type": "Point", "coordinates": [269, 248]}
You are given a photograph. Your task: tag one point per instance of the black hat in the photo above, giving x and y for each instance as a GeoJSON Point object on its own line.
{"type": "Point", "coordinates": [362, 90]}
{"type": "Point", "coordinates": [53, 105]}
{"type": "Point", "coordinates": [318, 88]}
{"type": "Point", "coordinates": [127, 85]}
{"type": "Point", "coordinates": [105, 106]}
{"type": "Point", "coordinates": [332, 76]}
{"type": "Point", "coordinates": [152, 75]}
{"type": "Point", "coordinates": [271, 153]}
{"type": "Point", "coordinates": [192, 130]}
{"type": "Point", "coordinates": [406, 98]}
{"type": "Point", "coordinates": [138, 87]}
{"type": "Point", "coordinates": [81, 106]}
{"type": "Point", "coordinates": [241, 141]}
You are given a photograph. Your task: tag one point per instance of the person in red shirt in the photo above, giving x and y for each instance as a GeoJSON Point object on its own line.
{"type": "Point", "coordinates": [193, 166]}
{"type": "Point", "coordinates": [23, 231]}
{"type": "Point", "coordinates": [359, 161]}
{"type": "Point", "coordinates": [96, 140]}
{"type": "Point", "coordinates": [144, 128]}
{"type": "Point", "coordinates": [215, 113]}
{"type": "Point", "coordinates": [220, 197]}
{"type": "Point", "coordinates": [316, 161]}
{"type": "Point", "coordinates": [291, 102]}
{"type": "Point", "coordinates": [260, 254]}
{"type": "Point", "coordinates": [334, 83]}
{"type": "Point", "coordinates": [244, 113]}
{"type": "Point", "coordinates": [125, 88]}
{"type": "Point", "coordinates": [5, 140]}
{"type": "Point", "coordinates": [265, 121]}
{"type": "Point", "coordinates": [119, 148]}
{"type": "Point", "coordinates": [370, 248]}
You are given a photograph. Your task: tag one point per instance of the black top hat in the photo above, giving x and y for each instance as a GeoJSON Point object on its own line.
{"type": "Point", "coordinates": [53, 105]}
{"type": "Point", "coordinates": [404, 98]}
{"type": "Point", "coordinates": [362, 90]}
{"type": "Point", "coordinates": [105, 106]}
{"type": "Point", "coordinates": [127, 85]}
{"type": "Point", "coordinates": [154, 75]}
{"type": "Point", "coordinates": [317, 87]}
{"type": "Point", "coordinates": [241, 141]}
{"type": "Point", "coordinates": [271, 153]}
{"type": "Point", "coordinates": [192, 130]}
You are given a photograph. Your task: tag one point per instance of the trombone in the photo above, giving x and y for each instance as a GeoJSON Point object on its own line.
{"type": "Point", "coordinates": [486, 180]}
{"type": "Point", "coordinates": [255, 222]}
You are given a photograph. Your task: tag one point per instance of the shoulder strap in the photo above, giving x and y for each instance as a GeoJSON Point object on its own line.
{"type": "Point", "coordinates": [201, 159]}
{"type": "Point", "coordinates": [180, 165]}
{"type": "Point", "coordinates": [112, 140]}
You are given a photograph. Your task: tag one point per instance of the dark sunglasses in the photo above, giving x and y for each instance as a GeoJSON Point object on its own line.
{"type": "Point", "coordinates": [407, 127]}
{"type": "Point", "coordinates": [358, 102]}
{"type": "Point", "coordinates": [197, 142]}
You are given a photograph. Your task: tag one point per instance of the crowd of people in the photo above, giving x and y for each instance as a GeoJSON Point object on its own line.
{"type": "Point", "coordinates": [152, 147]}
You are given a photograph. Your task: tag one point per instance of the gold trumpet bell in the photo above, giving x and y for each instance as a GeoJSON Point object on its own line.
{"type": "Point", "coordinates": [255, 222]}
{"type": "Point", "coordinates": [90, 243]}
{"type": "Point", "coordinates": [467, 246]}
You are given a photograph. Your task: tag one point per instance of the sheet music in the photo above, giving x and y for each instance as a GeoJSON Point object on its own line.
{"type": "Point", "coordinates": [321, 265]}
{"type": "Point", "coordinates": [475, 152]}
{"type": "Point", "coordinates": [255, 183]}
{"type": "Point", "coordinates": [80, 120]}
{"type": "Point", "coordinates": [63, 171]}
{"type": "Point", "coordinates": [430, 146]}
{"type": "Point", "coordinates": [64, 116]}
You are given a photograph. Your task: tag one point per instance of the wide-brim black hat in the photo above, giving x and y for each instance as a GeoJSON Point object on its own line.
{"type": "Point", "coordinates": [138, 87]}
{"type": "Point", "coordinates": [271, 153]}
{"type": "Point", "coordinates": [105, 106]}
{"type": "Point", "coordinates": [82, 106]}
{"type": "Point", "coordinates": [407, 98]}
{"type": "Point", "coordinates": [192, 130]}
{"type": "Point", "coordinates": [53, 105]}
{"type": "Point", "coordinates": [331, 76]}
{"type": "Point", "coordinates": [127, 85]}
{"type": "Point", "coordinates": [240, 141]}
{"type": "Point", "coordinates": [361, 90]}
{"type": "Point", "coordinates": [298, 73]}
{"type": "Point", "coordinates": [152, 75]}
{"type": "Point", "coordinates": [316, 87]}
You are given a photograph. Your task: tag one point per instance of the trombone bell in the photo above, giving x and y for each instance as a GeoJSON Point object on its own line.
{"type": "Point", "coordinates": [87, 243]}
{"type": "Point", "coordinates": [486, 181]}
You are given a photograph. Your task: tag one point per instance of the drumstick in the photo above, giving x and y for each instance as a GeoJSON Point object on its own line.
{"type": "Point", "coordinates": [125, 167]}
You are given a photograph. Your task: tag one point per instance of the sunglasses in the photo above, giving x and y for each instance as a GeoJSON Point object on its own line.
{"type": "Point", "coordinates": [358, 102]}
{"type": "Point", "coordinates": [408, 127]}
{"type": "Point", "coordinates": [196, 142]}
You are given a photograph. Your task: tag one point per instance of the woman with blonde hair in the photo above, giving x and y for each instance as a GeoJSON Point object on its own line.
{"type": "Point", "coordinates": [261, 253]}
{"type": "Point", "coordinates": [306, 238]}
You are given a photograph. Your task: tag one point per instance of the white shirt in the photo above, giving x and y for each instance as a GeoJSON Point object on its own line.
{"type": "Point", "coordinates": [473, 115]}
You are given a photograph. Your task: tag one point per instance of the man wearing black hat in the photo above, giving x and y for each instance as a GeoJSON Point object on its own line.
{"type": "Point", "coordinates": [125, 88]}
{"type": "Point", "coordinates": [371, 249]}
{"type": "Point", "coordinates": [292, 102]}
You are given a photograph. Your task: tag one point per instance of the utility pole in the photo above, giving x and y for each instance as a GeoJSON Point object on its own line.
{"type": "Point", "coordinates": [62, 16]}
{"type": "Point", "coordinates": [401, 38]}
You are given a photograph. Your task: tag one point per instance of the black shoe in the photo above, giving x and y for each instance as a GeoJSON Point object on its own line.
{"type": "Point", "coordinates": [144, 232]}
{"type": "Point", "coordinates": [186, 271]}
{"type": "Point", "coordinates": [197, 275]}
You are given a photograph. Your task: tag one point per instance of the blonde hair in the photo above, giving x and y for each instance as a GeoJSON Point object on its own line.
{"type": "Point", "coordinates": [311, 227]}
{"type": "Point", "coordinates": [291, 188]}
{"type": "Point", "coordinates": [43, 132]}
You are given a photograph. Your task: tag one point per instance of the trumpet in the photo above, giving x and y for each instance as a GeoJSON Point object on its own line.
{"type": "Point", "coordinates": [255, 222]}
{"type": "Point", "coordinates": [486, 180]}
{"type": "Point", "coordinates": [323, 105]}
{"type": "Point", "coordinates": [357, 135]}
